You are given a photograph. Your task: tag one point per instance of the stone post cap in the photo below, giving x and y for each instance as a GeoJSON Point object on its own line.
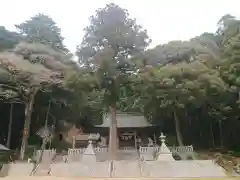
{"type": "Point", "coordinates": [162, 137]}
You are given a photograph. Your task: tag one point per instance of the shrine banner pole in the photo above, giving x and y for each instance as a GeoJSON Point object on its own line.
{"type": "Point", "coordinates": [135, 139]}
{"type": "Point", "coordinates": [154, 138]}
{"type": "Point", "coordinates": [74, 142]}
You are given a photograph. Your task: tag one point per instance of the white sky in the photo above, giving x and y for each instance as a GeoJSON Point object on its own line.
{"type": "Point", "coordinates": [165, 20]}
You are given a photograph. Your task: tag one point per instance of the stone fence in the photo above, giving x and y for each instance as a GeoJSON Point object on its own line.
{"type": "Point", "coordinates": [146, 153]}
{"type": "Point", "coordinates": [138, 169]}
{"type": "Point", "coordinates": [123, 169]}
{"type": "Point", "coordinates": [76, 154]}
{"type": "Point", "coordinates": [47, 155]}
{"type": "Point", "coordinates": [81, 150]}
{"type": "Point", "coordinates": [150, 153]}
{"type": "Point", "coordinates": [178, 149]}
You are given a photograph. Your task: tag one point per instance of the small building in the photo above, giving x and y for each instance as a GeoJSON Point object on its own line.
{"type": "Point", "coordinates": [76, 138]}
{"type": "Point", "coordinates": [69, 131]}
{"type": "Point", "coordinates": [133, 129]}
{"type": "Point", "coordinates": [82, 140]}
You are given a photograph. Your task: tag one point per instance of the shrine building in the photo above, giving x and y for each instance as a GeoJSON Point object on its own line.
{"type": "Point", "coordinates": [133, 130]}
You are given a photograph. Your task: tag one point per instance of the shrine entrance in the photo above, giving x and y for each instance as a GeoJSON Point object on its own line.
{"type": "Point", "coordinates": [127, 139]}
{"type": "Point", "coordinates": [131, 128]}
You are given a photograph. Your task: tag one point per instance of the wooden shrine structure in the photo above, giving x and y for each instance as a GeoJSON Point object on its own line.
{"type": "Point", "coordinates": [133, 130]}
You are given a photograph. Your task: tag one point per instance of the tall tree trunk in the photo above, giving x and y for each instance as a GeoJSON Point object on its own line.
{"type": "Point", "coordinates": [39, 161]}
{"type": "Point", "coordinates": [48, 110]}
{"type": "Point", "coordinates": [212, 134]}
{"type": "Point", "coordinates": [220, 133]}
{"type": "Point", "coordinates": [26, 130]}
{"type": "Point", "coordinates": [178, 130]}
{"type": "Point", "coordinates": [46, 120]}
{"type": "Point", "coordinates": [10, 126]}
{"type": "Point", "coordinates": [113, 136]}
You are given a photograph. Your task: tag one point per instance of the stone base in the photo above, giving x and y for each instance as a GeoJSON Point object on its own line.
{"type": "Point", "coordinates": [80, 169]}
{"type": "Point", "coordinates": [165, 157]}
{"type": "Point", "coordinates": [181, 169]}
{"type": "Point", "coordinates": [17, 169]}
{"type": "Point", "coordinates": [126, 169]}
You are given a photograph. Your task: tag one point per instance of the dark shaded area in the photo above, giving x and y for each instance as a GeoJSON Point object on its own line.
{"type": "Point", "coordinates": [17, 125]}
{"type": "Point", "coordinates": [202, 133]}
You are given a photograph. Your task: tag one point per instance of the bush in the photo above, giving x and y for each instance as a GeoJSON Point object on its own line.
{"type": "Point", "coordinates": [235, 154]}
{"type": "Point", "coordinates": [5, 156]}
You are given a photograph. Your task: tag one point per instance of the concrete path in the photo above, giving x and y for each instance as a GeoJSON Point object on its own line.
{"type": "Point", "coordinates": [69, 178]}
{"type": "Point", "coordinates": [79, 169]}
{"type": "Point", "coordinates": [181, 169]}
{"type": "Point", "coordinates": [126, 169]}
{"type": "Point", "coordinates": [120, 169]}
{"type": "Point", "coordinates": [17, 169]}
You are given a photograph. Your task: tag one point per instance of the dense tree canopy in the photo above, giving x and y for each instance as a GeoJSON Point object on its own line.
{"type": "Point", "coordinates": [189, 89]}
{"type": "Point", "coordinates": [8, 39]}
{"type": "Point", "coordinates": [111, 27]}
{"type": "Point", "coordinates": [110, 39]}
{"type": "Point", "coordinates": [42, 29]}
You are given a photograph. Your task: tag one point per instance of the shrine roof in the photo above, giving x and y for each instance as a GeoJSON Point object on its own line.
{"type": "Point", "coordinates": [87, 137]}
{"type": "Point", "coordinates": [126, 121]}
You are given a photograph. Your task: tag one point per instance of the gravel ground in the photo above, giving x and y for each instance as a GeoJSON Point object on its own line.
{"type": "Point", "coordinates": [59, 178]}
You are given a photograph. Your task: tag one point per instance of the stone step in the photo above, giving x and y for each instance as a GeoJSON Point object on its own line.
{"type": "Point", "coordinates": [43, 170]}
{"type": "Point", "coordinates": [18, 169]}
{"type": "Point", "coordinates": [58, 158]}
{"type": "Point", "coordinates": [126, 169]}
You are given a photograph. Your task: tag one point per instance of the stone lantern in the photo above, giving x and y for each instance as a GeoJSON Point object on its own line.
{"type": "Point", "coordinates": [164, 152]}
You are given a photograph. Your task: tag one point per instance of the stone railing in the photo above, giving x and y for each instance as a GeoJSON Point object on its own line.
{"type": "Point", "coordinates": [146, 153]}
{"type": "Point", "coordinates": [178, 149]}
{"type": "Point", "coordinates": [150, 153]}
{"type": "Point", "coordinates": [147, 149]}
{"type": "Point", "coordinates": [47, 155]}
{"type": "Point", "coordinates": [101, 149]}
{"type": "Point", "coordinates": [81, 150]}
{"type": "Point", "coordinates": [127, 149]}
{"type": "Point", "coordinates": [76, 154]}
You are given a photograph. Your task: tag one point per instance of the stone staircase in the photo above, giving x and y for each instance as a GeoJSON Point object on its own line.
{"type": "Point", "coordinates": [43, 170]}
{"type": "Point", "coordinates": [45, 167]}
{"type": "Point", "coordinates": [130, 154]}
{"type": "Point", "coordinates": [16, 169]}
{"type": "Point", "coordinates": [58, 158]}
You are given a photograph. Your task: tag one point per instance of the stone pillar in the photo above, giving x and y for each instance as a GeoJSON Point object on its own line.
{"type": "Point", "coordinates": [164, 152]}
{"type": "Point", "coordinates": [117, 139]}
{"type": "Point", "coordinates": [89, 154]}
{"type": "Point", "coordinates": [73, 142]}
{"type": "Point", "coordinates": [113, 134]}
{"type": "Point", "coordinates": [135, 139]}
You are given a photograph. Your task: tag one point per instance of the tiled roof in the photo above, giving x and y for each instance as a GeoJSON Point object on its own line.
{"type": "Point", "coordinates": [3, 148]}
{"type": "Point", "coordinates": [87, 137]}
{"type": "Point", "coordinates": [126, 120]}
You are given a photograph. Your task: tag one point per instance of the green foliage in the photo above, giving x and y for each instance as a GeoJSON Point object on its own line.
{"type": "Point", "coordinates": [175, 86]}
{"type": "Point", "coordinates": [109, 40]}
{"type": "Point", "coordinates": [8, 39]}
{"type": "Point", "coordinates": [228, 27]}
{"type": "Point", "coordinates": [235, 154]}
{"type": "Point", "coordinates": [111, 28]}
{"type": "Point", "coordinates": [42, 29]}
{"type": "Point", "coordinates": [180, 82]}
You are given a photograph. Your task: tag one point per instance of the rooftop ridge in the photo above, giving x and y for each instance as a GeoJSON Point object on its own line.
{"type": "Point", "coordinates": [127, 113]}
{"type": "Point", "coordinates": [124, 120]}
